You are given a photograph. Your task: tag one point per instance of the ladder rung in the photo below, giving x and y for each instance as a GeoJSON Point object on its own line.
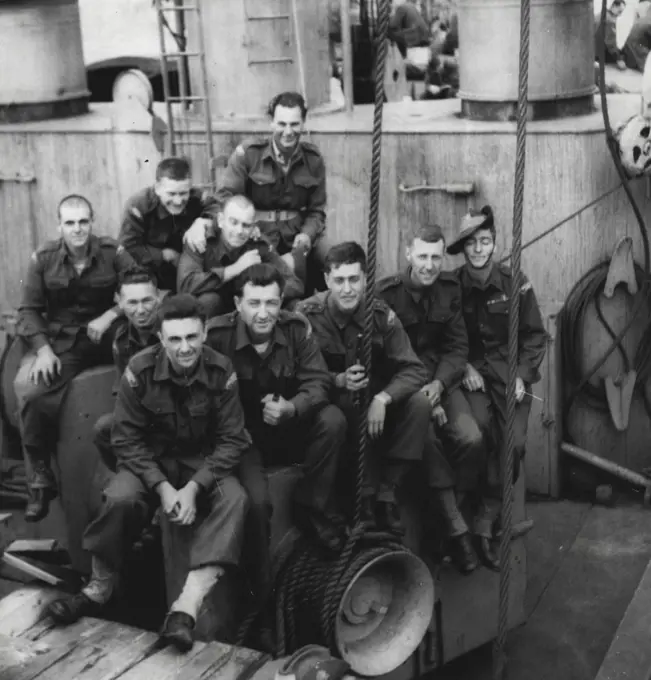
{"type": "Point", "coordinates": [189, 98]}
{"type": "Point", "coordinates": [274, 60]}
{"type": "Point", "coordinates": [191, 142]}
{"type": "Point", "coordinates": [174, 55]}
{"type": "Point", "coordinates": [180, 8]}
{"type": "Point", "coordinates": [269, 17]}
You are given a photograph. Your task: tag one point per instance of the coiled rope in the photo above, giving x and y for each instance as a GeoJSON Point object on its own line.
{"type": "Point", "coordinates": [589, 289]}
{"type": "Point", "coordinates": [310, 584]}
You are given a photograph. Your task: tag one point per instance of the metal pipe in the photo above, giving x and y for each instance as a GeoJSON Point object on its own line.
{"type": "Point", "coordinates": [607, 465]}
{"type": "Point", "coordinates": [347, 50]}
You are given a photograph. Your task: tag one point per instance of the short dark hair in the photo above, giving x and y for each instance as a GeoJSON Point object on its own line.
{"type": "Point", "coordinates": [262, 274]}
{"type": "Point", "coordinates": [289, 100]}
{"type": "Point", "coordinates": [349, 252]}
{"type": "Point", "coordinates": [135, 275]}
{"type": "Point", "coordinates": [174, 168]}
{"type": "Point", "coordinates": [182, 306]}
{"type": "Point", "coordinates": [432, 233]}
{"type": "Point", "coordinates": [75, 199]}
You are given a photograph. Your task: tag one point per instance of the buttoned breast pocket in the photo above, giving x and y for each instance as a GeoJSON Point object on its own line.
{"type": "Point", "coordinates": [335, 357]}
{"type": "Point", "coordinates": [304, 185]}
{"type": "Point", "coordinates": [161, 416]}
{"type": "Point", "coordinates": [263, 190]}
{"type": "Point", "coordinates": [60, 290]}
{"type": "Point", "coordinates": [200, 411]}
{"type": "Point", "coordinates": [497, 318]}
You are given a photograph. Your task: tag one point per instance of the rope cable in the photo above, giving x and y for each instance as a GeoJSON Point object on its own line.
{"type": "Point", "coordinates": [499, 659]}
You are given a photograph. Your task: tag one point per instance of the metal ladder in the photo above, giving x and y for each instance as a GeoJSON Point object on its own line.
{"type": "Point", "coordinates": [192, 126]}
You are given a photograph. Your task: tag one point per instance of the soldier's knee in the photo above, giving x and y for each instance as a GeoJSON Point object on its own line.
{"type": "Point", "coordinates": [466, 432]}
{"type": "Point", "coordinates": [418, 407]}
{"type": "Point", "coordinates": [102, 429]}
{"type": "Point", "coordinates": [123, 493]}
{"type": "Point", "coordinates": [332, 420]}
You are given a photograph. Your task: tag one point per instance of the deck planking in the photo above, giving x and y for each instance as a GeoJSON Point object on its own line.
{"type": "Point", "coordinates": [33, 648]}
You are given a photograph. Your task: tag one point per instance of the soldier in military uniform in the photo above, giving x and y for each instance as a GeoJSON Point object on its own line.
{"type": "Point", "coordinates": [235, 245]}
{"type": "Point", "coordinates": [284, 386]}
{"type": "Point", "coordinates": [285, 177]}
{"type": "Point", "coordinates": [428, 303]}
{"type": "Point", "coordinates": [486, 287]}
{"type": "Point", "coordinates": [64, 318]}
{"type": "Point", "coordinates": [138, 298]}
{"type": "Point", "coordinates": [399, 413]}
{"type": "Point", "coordinates": [156, 220]}
{"type": "Point", "coordinates": [178, 435]}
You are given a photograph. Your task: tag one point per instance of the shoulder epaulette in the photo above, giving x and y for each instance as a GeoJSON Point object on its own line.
{"type": "Point", "coordinates": [295, 317]}
{"type": "Point", "coordinates": [249, 142]}
{"type": "Point", "coordinates": [144, 359]}
{"type": "Point", "coordinates": [214, 358]}
{"type": "Point", "coordinates": [108, 242]}
{"type": "Point", "coordinates": [222, 321]}
{"type": "Point", "coordinates": [311, 148]}
{"type": "Point", "coordinates": [389, 282]}
{"type": "Point", "coordinates": [48, 247]}
{"type": "Point", "coordinates": [311, 305]}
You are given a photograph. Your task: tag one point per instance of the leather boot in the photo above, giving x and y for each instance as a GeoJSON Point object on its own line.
{"type": "Point", "coordinates": [462, 553]}
{"type": "Point", "coordinates": [71, 608]}
{"type": "Point", "coordinates": [177, 630]}
{"type": "Point", "coordinates": [487, 553]}
{"type": "Point", "coordinates": [38, 504]}
{"type": "Point", "coordinates": [388, 517]}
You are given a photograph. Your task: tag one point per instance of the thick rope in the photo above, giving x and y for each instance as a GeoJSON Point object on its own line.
{"type": "Point", "coordinates": [499, 657]}
{"type": "Point", "coordinates": [384, 12]}
{"type": "Point", "coordinates": [309, 577]}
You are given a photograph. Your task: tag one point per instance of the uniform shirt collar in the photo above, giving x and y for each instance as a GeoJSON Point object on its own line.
{"type": "Point", "coordinates": [272, 151]}
{"type": "Point", "coordinates": [494, 279]}
{"type": "Point", "coordinates": [242, 337]}
{"type": "Point", "coordinates": [340, 318]}
{"type": "Point", "coordinates": [92, 250]}
{"type": "Point", "coordinates": [163, 370]}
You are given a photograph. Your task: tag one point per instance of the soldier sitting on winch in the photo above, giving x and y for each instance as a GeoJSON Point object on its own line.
{"type": "Point", "coordinates": [138, 297]}
{"type": "Point", "coordinates": [235, 245]}
{"type": "Point", "coordinates": [399, 413]}
{"type": "Point", "coordinates": [157, 218]}
{"type": "Point", "coordinates": [64, 318]}
{"type": "Point", "coordinates": [428, 303]}
{"type": "Point", "coordinates": [178, 435]}
{"type": "Point", "coordinates": [486, 287]}
{"type": "Point", "coordinates": [284, 387]}
{"type": "Point", "coordinates": [285, 178]}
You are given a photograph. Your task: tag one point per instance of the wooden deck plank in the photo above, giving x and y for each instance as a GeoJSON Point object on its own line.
{"type": "Point", "coordinates": [217, 660]}
{"type": "Point", "coordinates": [99, 653]}
{"type": "Point", "coordinates": [165, 664]}
{"type": "Point", "coordinates": [54, 635]}
{"type": "Point", "coordinates": [33, 667]}
{"type": "Point", "coordinates": [122, 659]}
{"type": "Point", "coordinates": [23, 608]}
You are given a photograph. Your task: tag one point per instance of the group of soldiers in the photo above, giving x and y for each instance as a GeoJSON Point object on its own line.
{"type": "Point", "coordinates": [227, 369]}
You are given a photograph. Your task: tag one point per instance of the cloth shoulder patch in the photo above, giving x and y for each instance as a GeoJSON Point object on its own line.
{"type": "Point", "coordinates": [391, 318]}
{"type": "Point", "coordinates": [232, 380]}
{"type": "Point", "coordinates": [109, 242]}
{"type": "Point", "coordinates": [134, 212]}
{"type": "Point", "coordinates": [130, 377]}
